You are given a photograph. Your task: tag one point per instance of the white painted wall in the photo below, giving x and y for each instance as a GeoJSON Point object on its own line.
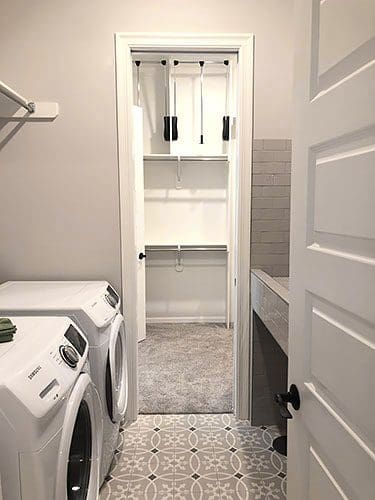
{"type": "Point", "coordinates": [194, 214]}
{"type": "Point", "coordinates": [59, 181]}
{"type": "Point", "coordinates": [197, 293]}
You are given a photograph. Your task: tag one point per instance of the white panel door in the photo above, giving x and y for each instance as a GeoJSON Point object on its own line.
{"type": "Point", "coordinates": [332, 312]}
{"type": "Point", "coordinates": [139, 220]}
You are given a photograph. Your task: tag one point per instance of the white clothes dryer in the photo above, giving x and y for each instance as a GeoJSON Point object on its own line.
{"type": "Point", "coordinates": [50, 413]}
{"type": "Point", "coordinates": [95, 307]}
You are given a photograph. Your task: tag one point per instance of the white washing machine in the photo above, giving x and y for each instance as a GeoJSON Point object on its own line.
{"type": "Point", "coordinates": [50, 413]}
{"type": "Point", "coordinates": [94, 306]}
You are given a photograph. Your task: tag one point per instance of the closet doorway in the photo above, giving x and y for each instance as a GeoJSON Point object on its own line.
{"type": "Point", "coordinates": [185, 106]}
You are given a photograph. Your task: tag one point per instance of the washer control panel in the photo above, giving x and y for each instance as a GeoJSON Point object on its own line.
{"type": "Point", "coordinates": [48, 354]}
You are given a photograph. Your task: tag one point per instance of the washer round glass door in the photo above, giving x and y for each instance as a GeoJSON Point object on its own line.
{"type": "Point", "coordinates": [117, 371]}
{"type": "Point", "coordinates": [80, 447]}
{"type": "Point", "coordinates": [80, 455]}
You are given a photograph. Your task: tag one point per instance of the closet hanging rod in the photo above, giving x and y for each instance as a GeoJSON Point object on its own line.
{"type": "Point", "coordinates": [186, 248]}
{"type": "Point", "coordinates": [185, 158]}
{"type": "Point", "coordinates": [14, 96]}
{"type": "Point", "coordinates": [179, 62]}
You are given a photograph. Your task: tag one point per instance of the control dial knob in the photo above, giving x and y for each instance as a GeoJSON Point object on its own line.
{"type": "Point", "coordinates": [69, 355]}
{"type": "Point", "coordinates": [111, 300]}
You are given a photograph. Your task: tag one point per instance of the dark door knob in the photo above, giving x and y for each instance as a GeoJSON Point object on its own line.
{"type": "Point", "coordinates": [292, 397]}
{"type": "Point", "coordinates": [141, 256]}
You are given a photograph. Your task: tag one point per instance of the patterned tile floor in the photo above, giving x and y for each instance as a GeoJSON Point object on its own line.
{"type": "Point", "coordinates": [199, 457]}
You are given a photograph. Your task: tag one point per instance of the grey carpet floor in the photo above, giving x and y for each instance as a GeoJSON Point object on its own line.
{"type": "Point", "coordinates": [186, 368]}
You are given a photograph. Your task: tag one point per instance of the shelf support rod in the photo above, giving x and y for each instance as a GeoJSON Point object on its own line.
{"type": "Point", "coordinates": [14, 96]}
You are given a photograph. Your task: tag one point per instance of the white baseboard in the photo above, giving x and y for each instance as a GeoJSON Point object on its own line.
{"type": "Point", "coordinates": [187, 319]}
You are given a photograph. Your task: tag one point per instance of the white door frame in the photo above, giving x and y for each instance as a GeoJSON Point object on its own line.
{"type": "Point", "coordinates": [243, 45]}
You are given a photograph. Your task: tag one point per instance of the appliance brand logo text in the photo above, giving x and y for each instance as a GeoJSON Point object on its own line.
{"type": "Point", "coordinates": [34, 372]}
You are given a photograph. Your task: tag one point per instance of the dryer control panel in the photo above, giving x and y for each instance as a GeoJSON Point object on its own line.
{"type": "Point", "coordinates": [111, 297]}
{"type": "Point", "coordinates": [104, 307]}
{"type": "Point", "coordinates": [44, 361]}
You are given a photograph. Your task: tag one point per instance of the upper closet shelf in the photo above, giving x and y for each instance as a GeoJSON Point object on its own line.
{"type": "Point", "coordinates": [27, 109]}
{"type": "Point", "coordinates": [187, 248]}
{"type": "Point", "coordinates": [175, 158]}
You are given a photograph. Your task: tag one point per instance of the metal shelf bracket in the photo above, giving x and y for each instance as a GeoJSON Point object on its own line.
{"type": "Point", "coordinates": [179, 263]}
{"type": "Point", "coordinates": [179, 173]}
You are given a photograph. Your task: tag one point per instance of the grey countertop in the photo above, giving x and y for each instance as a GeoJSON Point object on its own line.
{"type": "Point", "coordinates": [270, 300]}
{"type": "Point", "coordinates": [279, 285]}
{"type": "Point", "coordinates": [284, 281]}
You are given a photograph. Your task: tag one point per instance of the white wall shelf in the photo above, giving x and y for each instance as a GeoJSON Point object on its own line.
{"type": "Point", "coordinates": [15, 107]}
{"type": "Point", "coordinates": [43, 111]}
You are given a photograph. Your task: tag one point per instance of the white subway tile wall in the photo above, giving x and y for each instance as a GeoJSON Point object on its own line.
{"type": "Point", "coordinates": [270, 218]}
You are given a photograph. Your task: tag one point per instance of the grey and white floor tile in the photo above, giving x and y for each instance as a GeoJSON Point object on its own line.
{"type": "Point", "coordinates": [196, 457]}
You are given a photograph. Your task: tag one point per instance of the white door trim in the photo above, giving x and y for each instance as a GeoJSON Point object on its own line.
{"type": "Point", "coordinates": [243, 45]}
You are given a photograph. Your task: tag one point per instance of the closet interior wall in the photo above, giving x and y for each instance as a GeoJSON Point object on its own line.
{"type": "Point", "coordinates": [188, 188]}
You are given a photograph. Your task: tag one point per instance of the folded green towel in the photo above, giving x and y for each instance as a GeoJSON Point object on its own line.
{"type": "Point", "coordinates": [7, 326]}
{"type": "Point", "coordinates": [6, 338]}
{"type": "Point", "coordinates": [6, 321]}
{"type": "Point", "coordinates": [8, 331]}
